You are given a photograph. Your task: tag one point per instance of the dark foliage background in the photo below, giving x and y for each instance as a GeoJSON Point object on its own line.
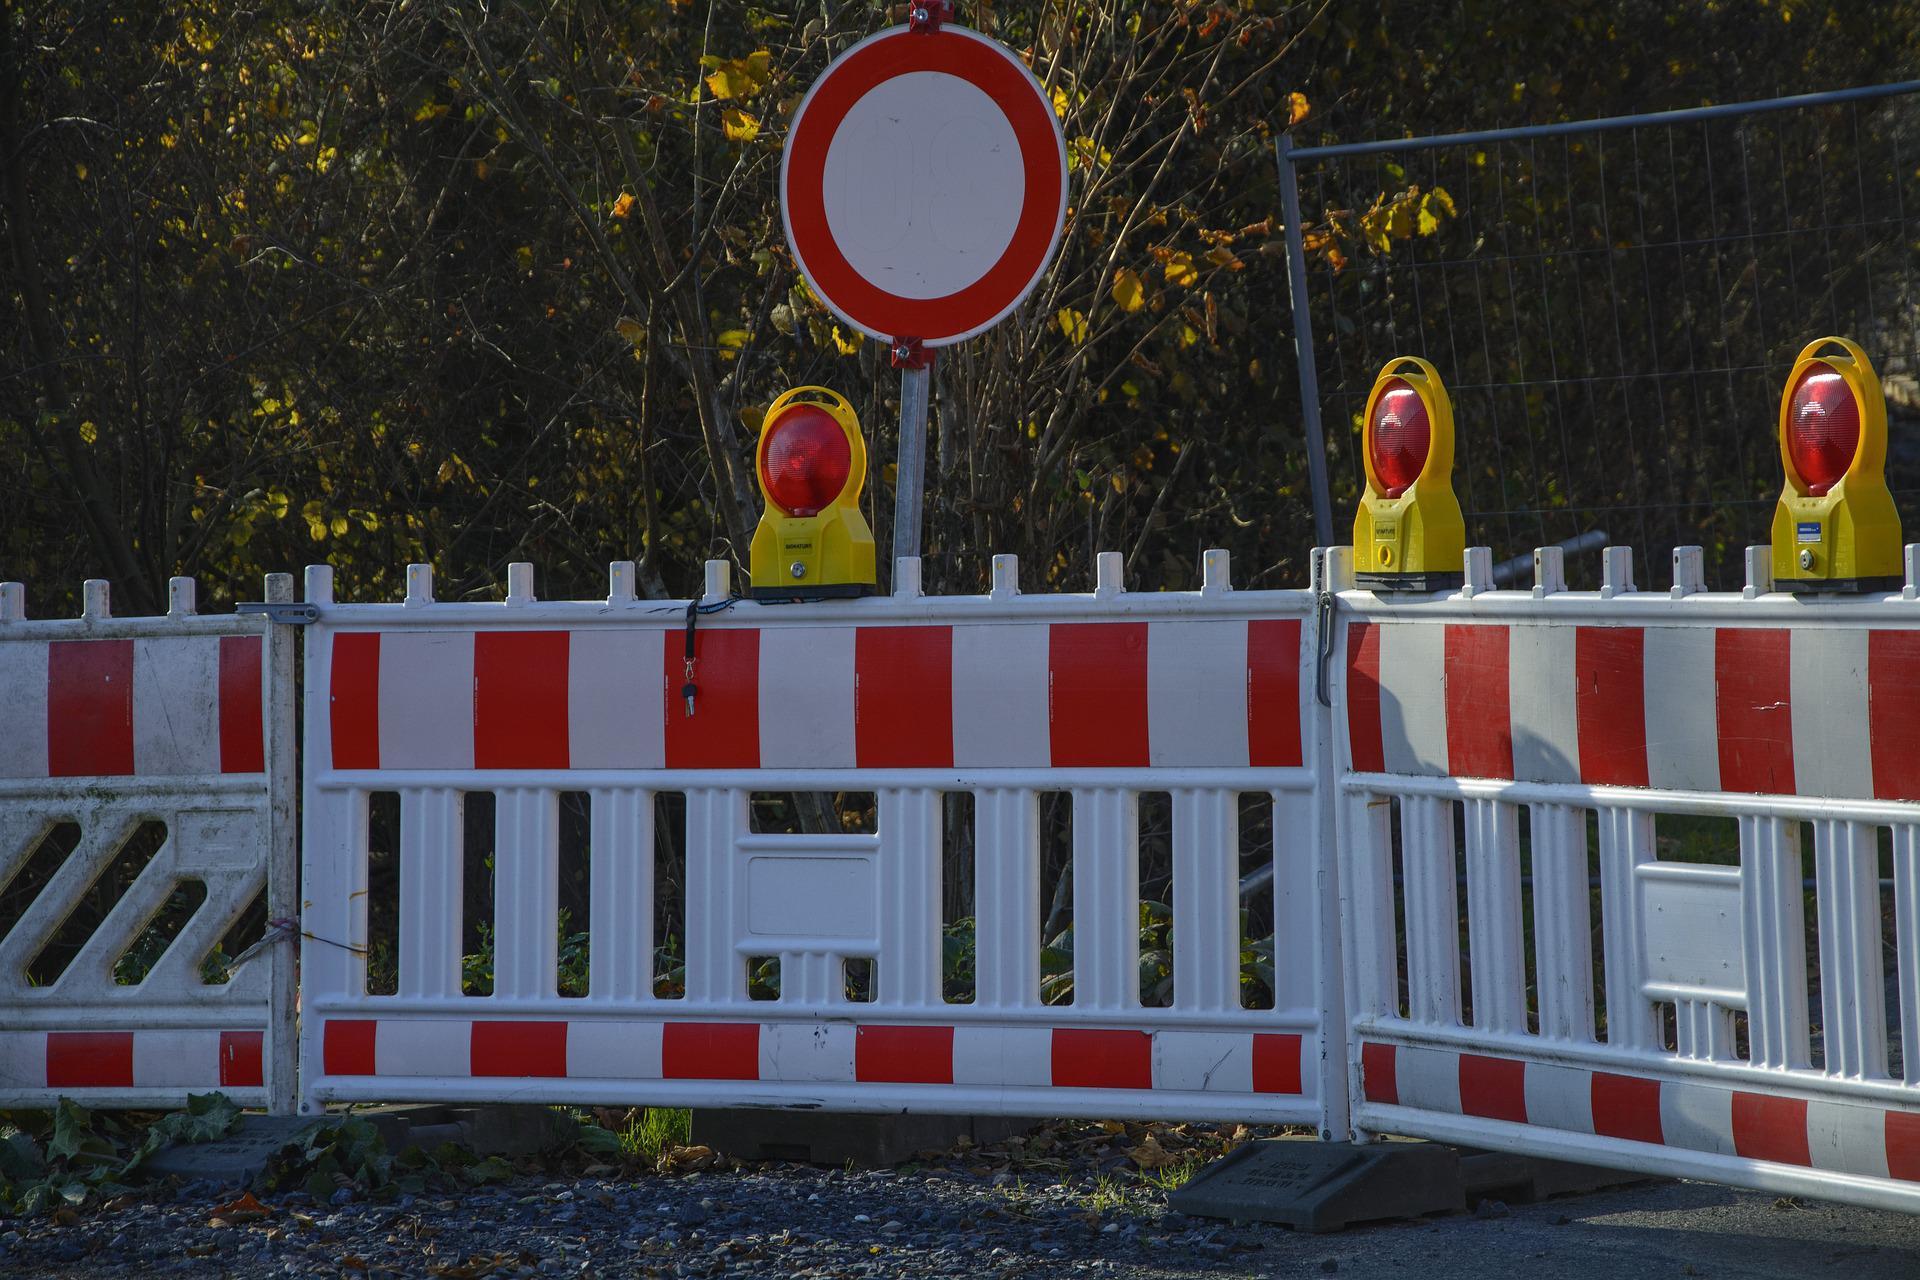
{"type": "Point", "coordinates": [373, 283]}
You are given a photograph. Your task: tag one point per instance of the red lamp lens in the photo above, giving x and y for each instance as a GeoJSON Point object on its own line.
{"type": "Point", "coordinates": [806, 460]}
{"type": "Point", "coordinates": [1400, 436]}
{"type": "Point", "coordinates": [1823, 427]}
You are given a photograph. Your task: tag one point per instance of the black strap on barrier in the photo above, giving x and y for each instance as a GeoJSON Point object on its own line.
{"type": "Point", "coordinates": [690, 690]}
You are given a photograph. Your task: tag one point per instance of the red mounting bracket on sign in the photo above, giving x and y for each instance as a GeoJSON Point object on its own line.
{"type": "Point", "coordinates": [927, 15]}
{"type": "Point", "coordinates": [909, 353]}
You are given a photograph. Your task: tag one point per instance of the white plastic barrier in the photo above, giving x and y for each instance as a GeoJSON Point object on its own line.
{"type": "Point", "coordinates": [1511, 758]}
{"type": "Point", "coordinates": [1003, 697]}
{"type": "Point", "coordinates": [170, 738]}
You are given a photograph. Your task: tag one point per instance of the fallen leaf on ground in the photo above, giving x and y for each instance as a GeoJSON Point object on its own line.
{"type": "Point", "coordinates": [682, 1159]}
{"type": "Point", "coordinates": [1150, 1154]}
{"type": "Point", "coordinates": [245, 1209]}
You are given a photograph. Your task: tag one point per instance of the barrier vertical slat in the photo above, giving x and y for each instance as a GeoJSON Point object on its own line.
{"type": "Point", "coordinates": [332, 855]}
{"type": "Point", "coordinates": [1562, 921]}
{"type": "Point", "coordinates": [1206, 908]}
{"type": "Point", "coordinates": [1703, 1030]}
{"type": "Point", "coordinates": [432, 884]}
{"type": "Point", "coordinates": [620, 966]}
{"type": "Point", "coordinates": [1368, 867]}
{"type": "Point", "coordinates": [715, 821]}
{"type": "Point", "coordinates": [1906, 882]}
{"type": "Point", "coordinates": [1007, 898]}
{"type": "Point", "coordinates": [1852, 995]}
{"type": "Point", "coordinates": [1297, 885]}
{"type": "Point", "coordinates": [1433, 910]}
{"type": "Point", "coordinates": [1774, 939]}
{"type": "Point", "coordinates": [910, 940]}
{"type": "Point", "coordinates": [811, 978]}
{"type": "Point", "coordinates": [1494, 934]}
{"type": "Point", "coordinates": [333, 921]}
{"type": "Point", "coordinates": [1626, 841]}
{"type": "Point", "coordinates": [526, 899]}
{"type": "Point", "coordinates": [1106, 899]}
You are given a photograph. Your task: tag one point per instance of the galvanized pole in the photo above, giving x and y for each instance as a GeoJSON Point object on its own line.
{"type": "Point", "coordinates": [911, 461]}
{"type": "Point", "coordinates": [1303, 346]}
{"type": "Point", "coordinates": [282, 1048]}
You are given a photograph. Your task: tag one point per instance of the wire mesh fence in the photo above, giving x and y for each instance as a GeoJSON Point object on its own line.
{"type": "Point", "coordinates": [1615, 306]}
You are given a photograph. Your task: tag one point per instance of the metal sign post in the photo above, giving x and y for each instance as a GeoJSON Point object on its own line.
{"type": "Point", "coordinates": [915, 363]}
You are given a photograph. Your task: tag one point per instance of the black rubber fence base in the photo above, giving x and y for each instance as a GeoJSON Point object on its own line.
{"type": "Point", "coordinates": [1327, 1186]}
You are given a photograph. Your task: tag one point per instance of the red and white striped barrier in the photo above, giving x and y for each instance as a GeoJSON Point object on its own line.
{"type": "Point", "coordinates": [89, 1064]}
{"type": "Point", "coordinates": [1778, 710]}
{"type": "Point", "coordinates": [1629, 1112]}
{"type": "Point", "coordinates": [835, 1056]}
{"type": "Point", "coordinates": [147, 706]}
{"type": "Point", "coordinates": [171, 737]}
{"type": "Point", "coordinates": [1541, 741]}
{"type": "Point", "coordinates": [1137, 695]}
{"type": "Point", "coordinates": [1205, 695]}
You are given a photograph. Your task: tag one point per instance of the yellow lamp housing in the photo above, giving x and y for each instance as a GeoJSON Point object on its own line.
{"type": "Point", "coordinates": [1408, 534]}
{"type": "Point", "coordinates": [1835, 527]}
{"type": "Point", "coordinates": [812, 542]}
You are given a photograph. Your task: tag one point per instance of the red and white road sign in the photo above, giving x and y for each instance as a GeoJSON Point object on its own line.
{"type": "Point", "coordinates": [924, 184]}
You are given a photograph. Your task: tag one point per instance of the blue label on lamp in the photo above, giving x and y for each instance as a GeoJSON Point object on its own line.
{"type": "Point", "coordinates": [1808, 530]}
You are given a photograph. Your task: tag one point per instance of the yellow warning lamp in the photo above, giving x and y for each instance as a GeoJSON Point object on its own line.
{"type": "Point", "coordinates": [1408, 535]}
{"type": "Point", "coordinates": [1835, 528]}
{"type": "Point", "coordinates": [812, 463]}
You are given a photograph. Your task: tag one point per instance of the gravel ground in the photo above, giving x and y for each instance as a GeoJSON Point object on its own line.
{"type": "Point", "coordinates": [947, 1218]}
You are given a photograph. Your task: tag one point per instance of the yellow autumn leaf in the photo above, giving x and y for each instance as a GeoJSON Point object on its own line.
{"type": "Point", "coordinates": [730, 341]}
{"type": "Point", "coordinates": [847, 344]}
{"type": "Point", "coordinates": [1128, 292]}
{"type": "Point", "coordinates": [624, 205]}
{"type": "Point", "coordinates": [1060, 103]}
{"type": "Point", "coordinates": [1072, 323]}
{"type": "Point", "coordinates": [1180, 268]}
{"type": "Point", "coordinates": [1085, 154]}
{"type": "Point", "coordinates": [1223, 257]}
{"type": "Point", "coordinates": [1373, 226]}
{"type": "Point", "coordinates": [1400, 219]}
{"type": "Point", "coordinates": [1297, 108]}
{"type": "Point", "coordinates": [89, 432]}
{"type": "Point", "coordinates": [740, 126]}
{"type": "Point", "coordinates": [339, 526]}
{"type": "Point", "coordinates": [632, 330]}
{"type": "Point", "coordinates": [741, 77]}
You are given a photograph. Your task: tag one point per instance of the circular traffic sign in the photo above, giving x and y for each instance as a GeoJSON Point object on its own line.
{"type": "Point", "coordinates": [924, 184]}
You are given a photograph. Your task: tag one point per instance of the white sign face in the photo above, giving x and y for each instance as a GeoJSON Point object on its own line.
{"type": "Point", "coordinates": [924, 211]}
{"type": "Point", "coordinates": [924, 184]}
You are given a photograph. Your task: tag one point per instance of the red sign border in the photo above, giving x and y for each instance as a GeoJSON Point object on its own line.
{"type": "Point", "coordinates": [1002, 77]}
